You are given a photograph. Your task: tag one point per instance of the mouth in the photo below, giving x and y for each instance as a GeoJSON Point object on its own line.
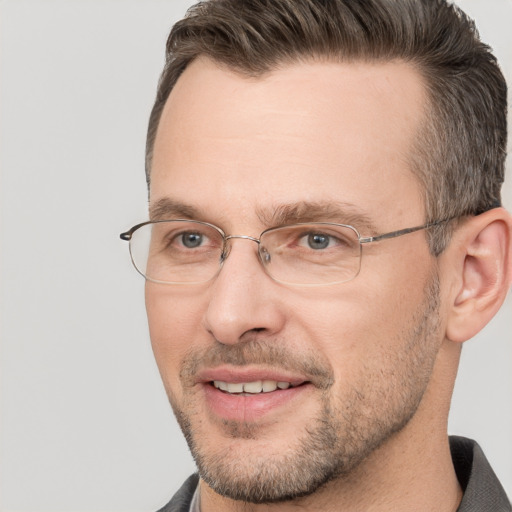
{"type": "Point", "coordinates": [251, 388]}
{"type": "Point", "coordinates": [248, 395]}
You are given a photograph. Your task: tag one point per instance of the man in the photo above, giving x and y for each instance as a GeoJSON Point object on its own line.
{"type": "Point", "coordinates": [325, 233]}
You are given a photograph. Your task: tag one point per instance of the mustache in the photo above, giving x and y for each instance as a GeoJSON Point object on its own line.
{"type": "Point", "coordinates": [275, 354]}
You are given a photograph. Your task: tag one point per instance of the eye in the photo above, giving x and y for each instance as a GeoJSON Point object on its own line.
{"type": "Point", "coordinates": [339, 239]}
{"type": "Point", "coordinates": [184, 238]}
{"type": "Point", "coordinates": [318, 241]}
{"type": "Point", "coordinates": [191, 240]}
{"type": "Point", "coordinates": [313, 241]}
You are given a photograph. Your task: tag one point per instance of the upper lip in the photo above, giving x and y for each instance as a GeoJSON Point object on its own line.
{"type": "Point", "coordinates": [248, 374]}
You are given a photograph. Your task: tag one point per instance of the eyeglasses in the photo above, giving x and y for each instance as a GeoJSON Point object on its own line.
{"type": "Point", "coordinates": [192, 252]}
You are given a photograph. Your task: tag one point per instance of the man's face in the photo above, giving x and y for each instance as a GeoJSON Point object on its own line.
{"type": "Point", "coordinates": [319, 142]}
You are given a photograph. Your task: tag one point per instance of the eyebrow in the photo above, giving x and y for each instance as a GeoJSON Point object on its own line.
{"type": "Point", "coordinates": [313, 211]}
{"type": "Point", "coordinates": [167, 209]}
{"type": "Point", "coordinates": [278, 215]}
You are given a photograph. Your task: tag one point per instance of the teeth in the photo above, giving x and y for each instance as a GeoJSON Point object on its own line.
{"type": "Point", "coordinates": [259, 386]}
{"type": "Point", "coordinates": [253, 387]}
{"type": "Point", "coordinates": [223, 386]}
{"type": "Point", "coordinates": [237, 387]}
{"type": "Point", "coordinates": [269, 385]}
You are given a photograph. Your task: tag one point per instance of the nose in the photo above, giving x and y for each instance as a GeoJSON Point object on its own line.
{"type": "Point", "coordinates": [243, 299]}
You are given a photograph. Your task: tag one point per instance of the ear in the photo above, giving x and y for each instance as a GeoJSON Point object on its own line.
{"type": "Point", "coordinates": [483, 263]}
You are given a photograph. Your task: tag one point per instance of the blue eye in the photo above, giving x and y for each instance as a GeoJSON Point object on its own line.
{"type": "Point", "coordinates": [191, 240]}
{"type": "Point", "coordinates": [318, 241]}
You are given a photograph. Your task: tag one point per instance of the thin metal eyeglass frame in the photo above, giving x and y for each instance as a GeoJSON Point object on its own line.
{"type": "Point", "coordinates": [127, 236]}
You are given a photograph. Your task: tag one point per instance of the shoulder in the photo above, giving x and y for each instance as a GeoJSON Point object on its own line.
{"type": "Point", "coordinates": [481, 487]}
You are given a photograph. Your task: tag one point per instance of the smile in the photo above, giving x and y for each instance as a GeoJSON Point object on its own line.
{"type": "Point", "coordinates": [248, 400]}
{"type": "Point", "coordinates": [255, 387]}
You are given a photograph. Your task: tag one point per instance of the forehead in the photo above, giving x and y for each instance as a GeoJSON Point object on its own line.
{"type": "Point", "coordinates": [310, 131]}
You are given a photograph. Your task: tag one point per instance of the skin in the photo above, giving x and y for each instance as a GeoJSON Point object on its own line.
{"type": "Point", "coordinates": [231, 148]}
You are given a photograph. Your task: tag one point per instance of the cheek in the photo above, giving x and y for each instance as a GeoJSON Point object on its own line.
{"type": "Point", "coordinates": [363, 320]}
{"type": "Point", "coordinates": [174, 319]}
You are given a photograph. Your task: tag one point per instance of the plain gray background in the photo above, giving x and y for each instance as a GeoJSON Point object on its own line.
{"type": "Point", "coordinates": [85, 424]}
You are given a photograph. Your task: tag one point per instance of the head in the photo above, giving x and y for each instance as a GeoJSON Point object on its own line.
{"type": "Point", "coordinates": [379, 114]}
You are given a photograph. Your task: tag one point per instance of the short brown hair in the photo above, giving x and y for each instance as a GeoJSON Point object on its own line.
{"type": "Point", "coordinates": [459, 156]}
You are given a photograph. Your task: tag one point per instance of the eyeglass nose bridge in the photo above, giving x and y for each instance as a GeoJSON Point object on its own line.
{"type": "Point", "coordinates": [245, 237]}
{"type": "Point", "coordinates": [227, 248]}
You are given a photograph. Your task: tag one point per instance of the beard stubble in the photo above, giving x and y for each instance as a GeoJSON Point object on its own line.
{"type": "Point", "coordinates": [346, 430]}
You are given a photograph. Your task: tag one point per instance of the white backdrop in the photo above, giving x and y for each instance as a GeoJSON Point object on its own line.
{"type": "Point", "coordinates": [85, 424]}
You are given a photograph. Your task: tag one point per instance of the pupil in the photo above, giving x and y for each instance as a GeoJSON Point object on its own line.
{"type": "Point", "coordinates": [318, 241]}
{"type": "Point", "coordinates": [192, 240]}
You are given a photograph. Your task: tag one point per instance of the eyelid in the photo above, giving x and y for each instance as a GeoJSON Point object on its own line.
{"type": "Point", "coordinates": [337, 236]}
{"type": "Point", "coordinates": [205, 230]}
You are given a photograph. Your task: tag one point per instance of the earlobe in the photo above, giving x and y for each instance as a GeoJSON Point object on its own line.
{"type": "Point", "coordinates": [485, 268]}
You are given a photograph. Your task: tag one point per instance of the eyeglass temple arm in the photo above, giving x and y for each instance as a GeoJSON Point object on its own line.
{"type": "Point", "coordinates": [400, 232]}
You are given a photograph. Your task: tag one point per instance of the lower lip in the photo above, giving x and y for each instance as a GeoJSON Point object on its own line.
{"type": "Point", "coordinates": [249, 408]}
